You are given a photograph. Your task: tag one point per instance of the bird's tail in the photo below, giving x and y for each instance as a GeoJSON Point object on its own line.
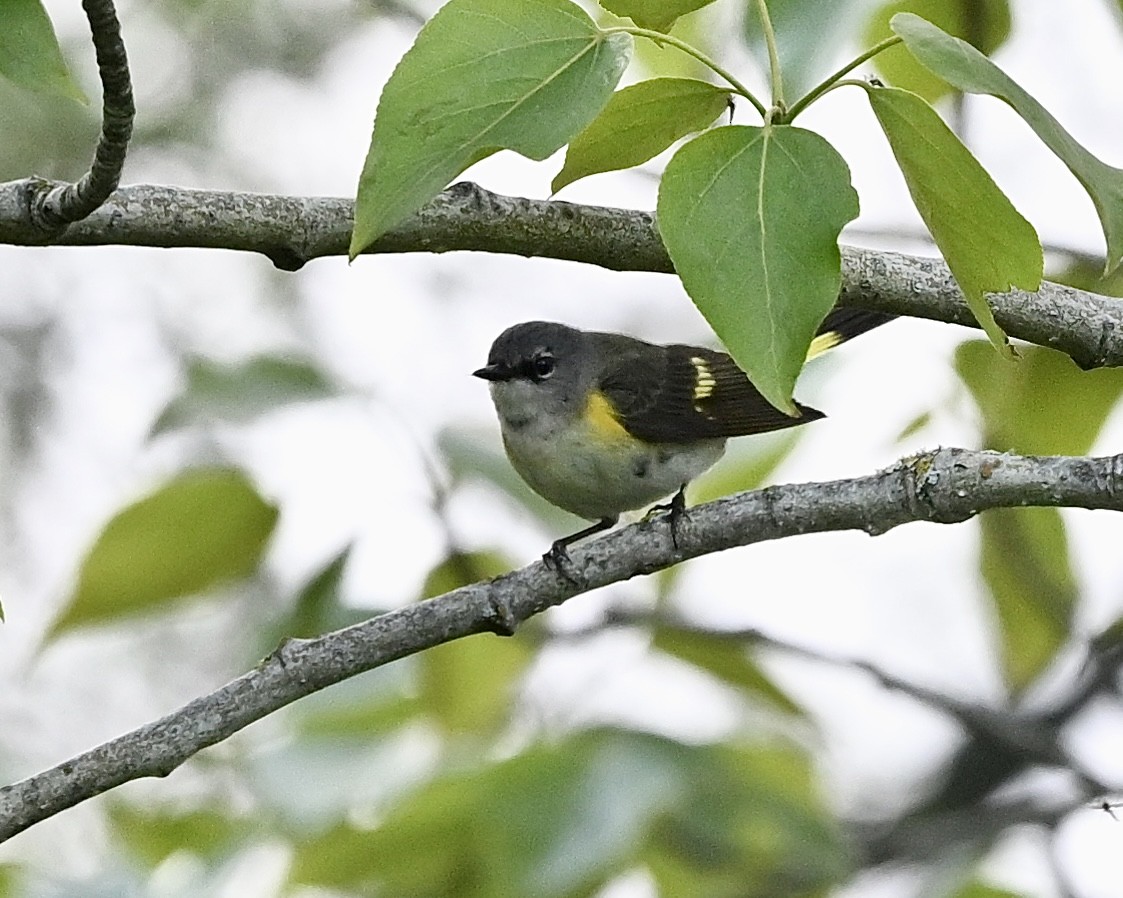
{"type": "Point", "coordinates": [845, 324]}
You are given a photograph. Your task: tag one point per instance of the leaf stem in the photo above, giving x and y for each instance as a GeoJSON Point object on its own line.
{"type": "Point", "coordinates": [835, 78]}
{"type": "Point", "coordinates": [773, 58]}
{"type": "Point", "coordinates": [660, 38]}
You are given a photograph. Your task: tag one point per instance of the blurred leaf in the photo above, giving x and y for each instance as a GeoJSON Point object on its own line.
{"type": "Point", "coordinates": [753, 828]}
{"type": "Point", "coordinates": [8, 880]}
{"type": "Point", "coordinates": [1041, 405]}
{"type": "Point", "coordinates": [751, 217]}
{"type": "Point", "coordinates": [728, 660]}
{"type": "Point", "coordinates": [379, 714]}
{"type": "Point", "coordinates": [470, 456]}
{"type": "Point", "coordinates": [1025, 563]}
{"type": "Point", "coordinates": [205, 527]}
{"type": "Point", "coordinates": [239, 393]}
{"type": "Point", "coordinates": [482, 75]}
{"type": "Point", "coordinates": [965, 68]}
{"type": "Point", "coordinates": [804, 41]}
{"type": "Point", "coordinates": [318, 607]}
{"type": "Point", "coordinates": [987, 244]}
{"type": "Point", "coordinates": [670, 62]}
{"type": "Point", "coordinates": [658, 15]}
{"type": "Point", "coordinates": [985, 26]}
{"type": "Point", "coordinates": [640, 122]}
{"type": "Point", "coordinates": [917, 424]}
{"type": "Point", "coordinates": [468, 684]}
{"type": "Point", "coordinates": [554, 820]}
{"type": "Point", "coordinates": [563, 819]}
{"type": "Point", "coordinates": [29, 52]}
{"type": "Point", "coordinates": [152, 836]}
{"type": "Point", "coordinates": [977, 889]}
{"type": "Point", "coordinates": [1088, 274]}
{"type": "Point", "coordinates": [747, 469]}
{"type": "Point", "coordinates": [462, 568]}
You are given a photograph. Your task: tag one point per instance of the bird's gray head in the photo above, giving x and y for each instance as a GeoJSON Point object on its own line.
{"type": "Point", "coordinates": [536, 367]}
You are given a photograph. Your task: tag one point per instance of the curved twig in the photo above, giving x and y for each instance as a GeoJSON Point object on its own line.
{"type": "Point", "coordinates": [52, 207]}
{"type": "Point", "coordinates": [945, 486]}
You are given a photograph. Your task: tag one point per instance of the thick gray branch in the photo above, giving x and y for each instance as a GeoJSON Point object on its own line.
{"type": "Point", "coordinates": [292, 231]}
{"type": "Point", "coordinates": [945, 486]}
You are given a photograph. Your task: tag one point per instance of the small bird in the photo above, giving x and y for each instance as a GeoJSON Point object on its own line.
{"type": "Point", "coordinates": [601, 423]}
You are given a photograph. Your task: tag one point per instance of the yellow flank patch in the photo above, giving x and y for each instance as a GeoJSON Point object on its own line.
{"type": "Point", "coordinates": [601, 420]}
{"type": "Point", "coordinates": [823, 343]}
{"type": "Point", "coordinates": [704, 382]}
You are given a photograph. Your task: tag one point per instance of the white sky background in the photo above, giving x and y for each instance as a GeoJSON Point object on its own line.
{"type": "Point", "coordinates": [404, 332]}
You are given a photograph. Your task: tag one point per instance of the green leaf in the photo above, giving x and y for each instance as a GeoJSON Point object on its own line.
{"type": "Point", "coordinates": [152, 836]}
{"type": "Point", "coordinates": [240, 393]}
{"type": "Point", "coordinates": [319, 608]}
{"type": "Point", "coordinates": [29, 52]}
{"type": "Point", "coordinates": [985, 25]}
{"type": "Point", "coordinates": [805, 46]}
{"type": "Point", "coordinates": [9, 880]}
{"type": "Point", "coordinates": [1024, 560]}
{"type": "Point", "coordinates": [662, 60]}
{"type": "Point", "coordinates": [658, 15]}
{"type": "Point", "coordinates": [728, 660]}
{"type": "Point", "coordinates": [753, 826]}
{"type": "Point", "coordinates": [563, 819]}
{"type": "Point", "coordinates": [468, 684]}
{"type": "Point", "coordinates": [483, 75]}
{"type": "Point", "coordinates": [751, 217]}
{"type": "Point", "coordinates": [554, 820]}
{"type": "Point", "coordinates": [747, 466]}
{"type": "Point", "coordinates": [203, 528]}
{"type": "Point", "coordinates": [978, 889]}
{"type": "Point", "coordinates": [965, 68]}
{"type": "Point", "coordinates": [988, 245]}
{"type": "Point", "coordinates": [1043, 405]}
{"type": "Point", "coordinates": [640, 122]}
{"type": "Point", "coordinates": [471, 456]}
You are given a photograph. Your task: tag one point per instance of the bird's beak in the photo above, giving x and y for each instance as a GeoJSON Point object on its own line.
{"type": "Point", "coordinates": [494, 373]}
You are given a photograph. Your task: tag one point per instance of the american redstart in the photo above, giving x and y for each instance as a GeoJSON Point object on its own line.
{"type": "Point", "coordinates": [599, 424]}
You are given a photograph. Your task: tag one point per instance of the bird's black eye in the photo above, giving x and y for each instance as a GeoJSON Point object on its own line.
{"type": "Point", "coordinates": [542, 366]}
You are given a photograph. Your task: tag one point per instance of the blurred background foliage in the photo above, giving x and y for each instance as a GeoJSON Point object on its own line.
{"type": "Point", "coordinates": [202, 456]}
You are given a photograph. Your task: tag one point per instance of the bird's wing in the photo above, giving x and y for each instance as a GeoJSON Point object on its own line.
{"type": "Point", "coordinates": [685, 394]}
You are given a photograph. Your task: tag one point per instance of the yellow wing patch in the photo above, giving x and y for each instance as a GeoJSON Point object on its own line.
{"type": "Point", "coordinates": [601, 420]}
{"type": "Point", "coordinates": [704, 381]}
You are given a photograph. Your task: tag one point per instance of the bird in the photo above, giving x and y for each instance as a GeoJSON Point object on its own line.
{"type": "Point", "coordinates": [603, 423]}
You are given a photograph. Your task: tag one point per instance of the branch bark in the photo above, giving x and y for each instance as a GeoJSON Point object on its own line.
{"type": "Point", "coordinates": [945, 486]}
{"type": "Point", "coordinates": [291, 231]}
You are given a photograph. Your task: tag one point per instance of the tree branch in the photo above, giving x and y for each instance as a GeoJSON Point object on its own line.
{"type": "Point", "coordinates": [51, 207]}
{"type": "Point", "coordinates": [945, 486]}
{"type": "Point", "coordinates": [292, 231]}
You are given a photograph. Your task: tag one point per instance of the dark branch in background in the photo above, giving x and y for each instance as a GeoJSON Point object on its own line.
{"type": "Point", "coordinates": [292, 231]}
{"type": "Point", "coordinates": [51, 207]}
{"type": "Point", "coordinates": [945, 486]}
{"type": "Point", "coordinates": [1000, 745]}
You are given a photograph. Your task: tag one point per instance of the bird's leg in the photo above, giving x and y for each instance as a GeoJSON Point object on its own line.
{"type": "Point", "coordinates": [676, 509]}
{"type": "Point", "coordinates": [558, 556]}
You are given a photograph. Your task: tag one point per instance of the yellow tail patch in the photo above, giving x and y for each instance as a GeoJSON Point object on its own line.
{"type": "Point", "coordinates": [823, 343]}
